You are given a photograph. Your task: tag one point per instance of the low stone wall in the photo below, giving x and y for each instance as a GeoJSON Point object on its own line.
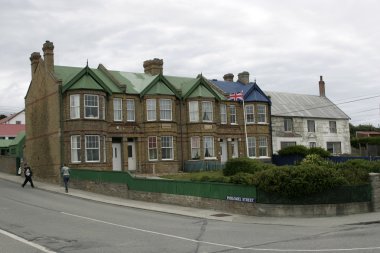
{"type": "Point", "coordinates": [375, 183]}
{"type": "Point", "coordinates": [8, 164]}
{"type": "Point", "coordinates": [254, 209]}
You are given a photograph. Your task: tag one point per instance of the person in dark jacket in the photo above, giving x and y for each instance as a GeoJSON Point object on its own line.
{"type": "Point", "coordinates": [28, 175]}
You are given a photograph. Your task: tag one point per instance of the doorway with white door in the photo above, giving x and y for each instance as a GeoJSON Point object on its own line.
{"type": "Point", "coordinates": [116, 154]}
{"type": "Point", "coordinates": [131, 154]}
{"type": "Point", "coordinates": [234, 148]}
{"type": "Point", "coordinates": [223, 150]}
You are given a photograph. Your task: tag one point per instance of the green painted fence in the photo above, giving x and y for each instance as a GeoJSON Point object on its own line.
{"type": "Point", "coordinates": [199, 189]}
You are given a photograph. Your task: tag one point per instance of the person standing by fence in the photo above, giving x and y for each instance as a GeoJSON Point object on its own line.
{"type": "Point", "coordinates": [65, 171]}
{"type": "Point", "coordinates": [28, 175]}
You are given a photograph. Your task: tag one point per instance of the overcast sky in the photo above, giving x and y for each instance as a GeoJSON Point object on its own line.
{"type": "Point", "coordinates": [284, 45]}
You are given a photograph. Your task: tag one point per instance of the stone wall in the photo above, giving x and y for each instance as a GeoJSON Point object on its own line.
{"type": "Point", "coordinates": [8, 164]}
{"type": "Point", "coordinates": [253, 209]}
{"type": "Point", "coordinates": [375, 183]}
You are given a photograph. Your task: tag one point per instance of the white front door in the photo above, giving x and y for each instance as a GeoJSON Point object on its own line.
{"type": "Point", "coordinates": [234, 149]}
{"type": "Point", "coordinates": [131, 156]}
{"type": "Point", "coordinates": [223, 151]}
{"type": "Point", "coordinates": [116, 156]}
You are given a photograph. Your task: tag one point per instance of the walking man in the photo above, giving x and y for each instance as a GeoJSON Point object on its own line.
{"type": "Point", "coordinates": [65, 171]}
{"type": "Point", "coordinates": [28, 175]}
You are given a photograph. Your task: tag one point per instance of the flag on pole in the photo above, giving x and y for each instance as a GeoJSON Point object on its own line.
{"type": "Point", "coordinates": [236, 96]}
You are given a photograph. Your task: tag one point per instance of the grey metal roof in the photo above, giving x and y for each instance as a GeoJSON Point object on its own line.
{"type": "Point", "coordinates": [300, 105]}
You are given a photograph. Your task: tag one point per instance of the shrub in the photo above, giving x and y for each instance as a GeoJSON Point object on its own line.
{"type": "Point", "coordinates": [356, 170]}
{"type": "Point", "coordinates": [319, 151]}
{"type": "Point", "coordinates": [243, 164]}
{"type": "Point", "coordinates": [242, 178]}
{"type": "Point", "coordinates": [294, 150]}
{"type": "Point", "coordinates": [298, 181]}
{"type": "Point", "coordinates": [314, 159]}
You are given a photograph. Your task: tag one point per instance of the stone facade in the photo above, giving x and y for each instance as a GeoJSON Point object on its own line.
{"type": "Point", "coordinates": [301, 136]}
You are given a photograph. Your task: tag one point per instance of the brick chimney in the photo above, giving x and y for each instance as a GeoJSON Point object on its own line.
{"type": "Point", "coordinates": [228, 77]}
{"type": "Point", "coordinates": [34, 60]}
{"type": "Point", "coordinates": [243, 77]}
{"type": "Point", "coordinates": [48, 49]}
{"type": "Point", "coordinates": [322, 87]}
{"type": "Point", "coordinates": [153, 67]}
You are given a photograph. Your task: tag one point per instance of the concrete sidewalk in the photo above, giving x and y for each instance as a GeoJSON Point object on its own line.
{"type": "Point", "coordinates": [201, 213]}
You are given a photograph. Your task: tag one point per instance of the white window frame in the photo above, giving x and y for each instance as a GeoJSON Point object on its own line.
{"type": "Point", "coordinates": [167, 145]}
{"type": "Point", "coordinates": [166, 106]}
{"type": "Point", "coordinates": [152, 148]}
{"type": "Point", "coordinates": [207, 111]}
{"type": "Point", "coordinates": [312, 144]}
{"type": "Point", "coordinates": [151, 109]}
{"type": "Point", "coordinates": [208, 140]}
{"type": "Point", "coordinates": [334, 147]}
{"type": "Point", "coordinates": [75, 106]}
{"type": "Point", "coordinates": [252, 147]}
{"type": "Point", "coordinates": [250, 114]}
{"type": "Point", "coordinates": [117, 109]}
{"type": "Point", "coordinates": [288, 124]}
{"type": "Point", "coordinates": [261, 114]}
{"type": "Point", "coordinates": [104, 150]}
{"type": "Point", "coordinates": [223, 114]}
{"type": "Point", "coordinates": [92, 145]}
{"type": "Point", "coordinates": [76, 149]}
{"type": "Point", "coordinates": [310, 126]}
{"type": "Point", "coordinates": [233, 117]}
{"type": "Point", "coordinates": [332, 127]}
{"type": "Point", "coordinates": [263, 146]}
{"type": "Point", "coordinates": [195, 145]}
{"type": "Point", "coordinates": [91, 104]}
{"type": "Point", "coordinates": [193, 111]}
{"type": "Point", "coordinates": [131, 114]}
{"type": "Point", "coordinates": [102, 105]}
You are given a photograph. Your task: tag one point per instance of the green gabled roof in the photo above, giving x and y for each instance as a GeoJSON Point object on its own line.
{"type": "Point", "coordinates": [160, 85]}
{"type": "Point", "coordinates": [204, 89]}
{"type": "Point", "coordinates": [135, 83]}
{"type": "Point", "coordinates": [86, 82]}
{"type": "Point", "coordinates": [5, 143]}
{"type": "Point", "coordinates": [19, 137]}
{"type": "Point", "coordinates": [160, 88]}
{"type": "Point", "coordinates": [201, 91]}
{"type": "Point", "coordinates": [84, 78]}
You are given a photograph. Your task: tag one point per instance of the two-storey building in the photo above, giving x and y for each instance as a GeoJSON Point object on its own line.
{"type": "Point", "coordinates": [96, 118]}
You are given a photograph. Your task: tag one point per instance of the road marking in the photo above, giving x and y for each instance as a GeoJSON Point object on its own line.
{"type": "Point", "coordinates": [217, 244]}
{"type": "Point", "coordinates": [20, 239]}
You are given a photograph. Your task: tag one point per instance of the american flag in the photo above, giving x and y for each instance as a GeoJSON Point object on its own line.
{"type": "Point", "coordinates": [236, 96]}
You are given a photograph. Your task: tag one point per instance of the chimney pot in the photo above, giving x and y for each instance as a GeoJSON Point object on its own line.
{"type": "Point", "coordinates": [322, 87]}
{"type": "Point", "coordinates": [228, 77]}
{"type": "Point", "coordinates": [48, 49]}
{"type": "Point", "coordinates": [243, 77]}
{"type": "Point", "coordinates": [153, 67]}
{"type": "Point", "coordinates": [34, 59]}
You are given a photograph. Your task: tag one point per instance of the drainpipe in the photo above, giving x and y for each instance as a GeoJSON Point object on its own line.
{"type": "Point", "coordinates": [61, 125]}
{"type": "Point", "coordinates": [270, 129]}
{"type": "Point", "coordinates": [181, 133]}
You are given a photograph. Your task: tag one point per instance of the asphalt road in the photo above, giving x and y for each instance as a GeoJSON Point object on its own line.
{"type": "Point", "coordinates": [34, 220]}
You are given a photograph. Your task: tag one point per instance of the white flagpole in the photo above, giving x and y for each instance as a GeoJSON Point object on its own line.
{"type": "Point", "coordinates": [245, 127]}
